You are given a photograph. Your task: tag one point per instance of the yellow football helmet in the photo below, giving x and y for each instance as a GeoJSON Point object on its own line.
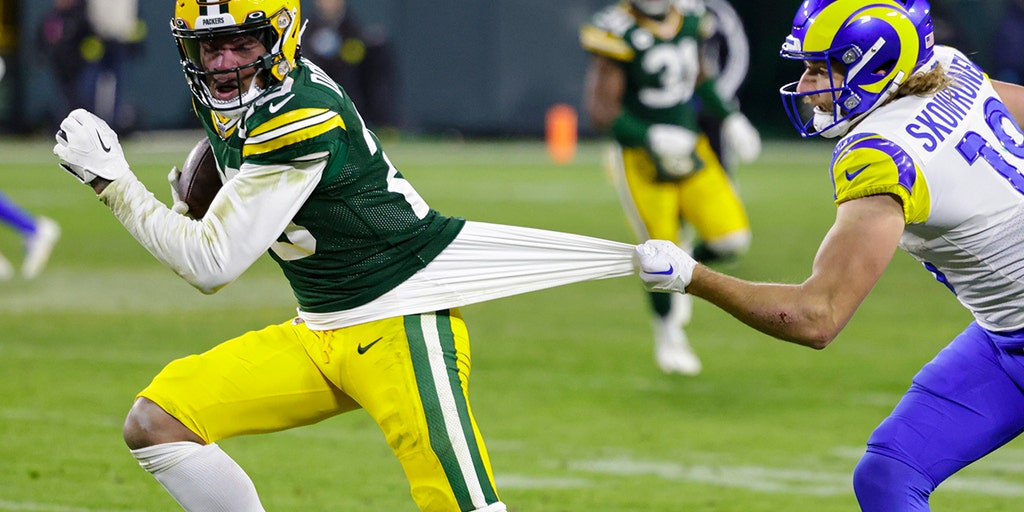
{"type": "Point", "coordinates": [275, 23]}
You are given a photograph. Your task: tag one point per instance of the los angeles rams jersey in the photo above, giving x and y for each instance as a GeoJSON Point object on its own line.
{"type": "Point", "coordinates": [955, 160]}
{"type": "Point", "coordinates": [661, 59]}
{"type": "Point", "coordinates": [363, 229]}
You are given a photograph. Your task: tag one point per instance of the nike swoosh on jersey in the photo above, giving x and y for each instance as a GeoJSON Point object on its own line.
{"type": "Point", "coordinates": [851, 175]}
{"type": "Point", "coordinates": [274, 107]}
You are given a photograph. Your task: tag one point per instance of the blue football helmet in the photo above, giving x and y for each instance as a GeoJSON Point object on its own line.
{"type": "Point", "coordinates": [877, 45]}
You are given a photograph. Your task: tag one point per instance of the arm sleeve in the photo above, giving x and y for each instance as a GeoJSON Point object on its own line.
{"type": "Point", "coordinates": [248, 214]}
{"type": "Point", "coordinates": [711, 102]}
{"type": "Point", "coordinates": [630, 130]}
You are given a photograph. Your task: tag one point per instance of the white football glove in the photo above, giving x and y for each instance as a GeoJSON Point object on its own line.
{"type": "Point", "coordinates": [673, 148]}
{"type": "Point", "coordinates": [177, 205]}
{"type": "Point", "coordinates": [663, 266]}
{"type": "Point", "coordinates": [88, 148]}
{"type": "Point", "coordinates": [740, 138]}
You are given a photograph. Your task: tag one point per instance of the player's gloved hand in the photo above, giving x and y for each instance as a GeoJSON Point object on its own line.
{"type": "Point", "coordinates": [177, 205]}
{"type": "Point", "coordinates": [88, 148]}
{"type": "Point", "coordinates": [741, 138]}
{"type": "Point", "coordinates": [672, 147]}
{"type": "Point", "coordinates": [663, 266]}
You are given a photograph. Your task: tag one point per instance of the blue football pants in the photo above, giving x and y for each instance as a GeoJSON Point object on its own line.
{"type": "Point", "coordinates": [965, 403]}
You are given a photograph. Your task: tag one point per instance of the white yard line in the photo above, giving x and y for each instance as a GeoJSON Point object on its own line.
{"type": "Point", "coordinates": [145, 291]}
{"type": "Point", "coordinates": [52, 507]}
{"type": "Point", "coordinates": [809, 481]}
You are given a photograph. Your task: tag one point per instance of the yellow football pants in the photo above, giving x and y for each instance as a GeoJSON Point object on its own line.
{"type": "Point", "coordinates": [409, 373]}
{"type": "Point", "coordinates": [656, 209]}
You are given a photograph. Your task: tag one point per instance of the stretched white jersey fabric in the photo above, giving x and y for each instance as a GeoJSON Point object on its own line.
{"type": "Point", "coordinates": [955, 160]}
{"type": "Point", "coordinates": [490, 261]}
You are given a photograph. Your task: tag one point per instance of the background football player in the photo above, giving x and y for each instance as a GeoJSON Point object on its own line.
{"type": "Point", "coordinates": [641, 86]}
{"type": "Point", "coordinates": [929, 160]}
{"type": "Point", "coordinates": [38, 233]}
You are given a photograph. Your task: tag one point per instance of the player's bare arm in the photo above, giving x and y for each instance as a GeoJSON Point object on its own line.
{"type": "Point", "coordinates": [849, 262]}
{"type": "Point", "coordinates": [1013, 96]}
{"type": "Point", "coordinates": [604, 87]}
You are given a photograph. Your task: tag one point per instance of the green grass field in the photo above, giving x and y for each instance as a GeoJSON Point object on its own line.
{"type": "Point", "coordinates": [576, 415]}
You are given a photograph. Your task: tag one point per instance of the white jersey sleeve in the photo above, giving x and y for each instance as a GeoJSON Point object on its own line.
{"type": "Point", "coordinates": [246, 217]}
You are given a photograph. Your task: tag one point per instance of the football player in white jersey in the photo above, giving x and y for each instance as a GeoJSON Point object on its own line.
{"type": "Point", "coordinates": [929, 160]}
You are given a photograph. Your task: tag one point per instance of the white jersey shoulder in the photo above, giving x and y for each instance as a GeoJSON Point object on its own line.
{"type": "Point", "coordinates": [964, 172]}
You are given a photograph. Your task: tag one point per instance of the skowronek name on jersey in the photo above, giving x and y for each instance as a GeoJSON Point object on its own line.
{"type": "Point", "coordinates": [943, 113]}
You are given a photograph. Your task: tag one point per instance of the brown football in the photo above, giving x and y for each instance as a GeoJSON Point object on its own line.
{"type": "Point", "coordinates": [200, 179]}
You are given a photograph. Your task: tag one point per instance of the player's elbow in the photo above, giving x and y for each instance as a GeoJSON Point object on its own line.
{"type": "Point", "coordinates": [819, 341]}
{"type": "Point", "coordinates": [207, 289]}
{"type": "Point", "coordinates": [813, 326]}
{"type": "Point", "coordinates": [208, 283]}
{"type": "Point", "coordinates": [820, 327]}
{"type": "Point", "coordinates": [811, 336]}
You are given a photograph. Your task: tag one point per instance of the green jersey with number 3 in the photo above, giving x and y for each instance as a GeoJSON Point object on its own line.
{"type": "Point", "coordinates": [364, 229]}
{"type": "Point", "coordinates": [661, 60]}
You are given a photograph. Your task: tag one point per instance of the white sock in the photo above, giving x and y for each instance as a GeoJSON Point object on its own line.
{"type": "Point", "coordinates": [681, 311]}
{"type": "Point", "coordinates": [493, 507]}
{"type": "Point", "coordinates": [200, 478]}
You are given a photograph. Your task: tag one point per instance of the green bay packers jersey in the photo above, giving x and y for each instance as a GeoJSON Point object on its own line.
{"type": "Point", "coordinates": [661, 59]}
{"type": "Point", "coordinates": [363, 229]}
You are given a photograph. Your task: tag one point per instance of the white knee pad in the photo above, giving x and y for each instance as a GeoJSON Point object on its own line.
{"type": "Point", "coordinates": [731, 245]}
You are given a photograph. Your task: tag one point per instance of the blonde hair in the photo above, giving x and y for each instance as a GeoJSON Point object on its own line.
{"type": "Point", "coordinates": [924, 84]}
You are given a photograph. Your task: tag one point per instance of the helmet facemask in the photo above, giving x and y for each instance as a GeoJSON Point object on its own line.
{"type": "Point", "coordinates": [278, 35]}
{"type": "Point", "coordinates": [201, 80]}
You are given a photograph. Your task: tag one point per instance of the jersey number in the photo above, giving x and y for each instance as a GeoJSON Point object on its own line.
{"type": "Point", "coordinates": [297, 242]}
{"type": "Point", "coordinates": [676, 66]}
{"type": "Point", "coordinates": [975, 145]}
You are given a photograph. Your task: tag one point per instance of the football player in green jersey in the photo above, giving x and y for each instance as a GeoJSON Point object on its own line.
{"type": "Point", "coordinates": [643, 81]}
{"type": "Point", "coordinates": [376, 272]}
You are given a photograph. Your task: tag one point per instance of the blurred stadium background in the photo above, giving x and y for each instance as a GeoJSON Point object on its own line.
{"type": "Point", "coordinates": [576, 415]}
{"type": "Point", "coordinates": [465, 67]}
